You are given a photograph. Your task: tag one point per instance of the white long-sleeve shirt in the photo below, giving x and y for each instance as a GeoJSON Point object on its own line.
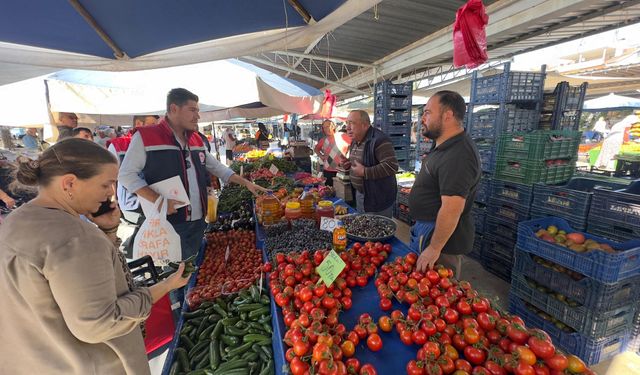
{"type": "Point", "coordinates": [136, 158]}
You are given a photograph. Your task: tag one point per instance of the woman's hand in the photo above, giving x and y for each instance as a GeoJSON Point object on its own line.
{"type": "Point", "coordinates": [9, 202]}
{"type": "Point", "coordinates": [176, 280]}
{"type": "Point", "coordinates": [108, 220]}
{"type": "Point", "coordinates": [254, 188]}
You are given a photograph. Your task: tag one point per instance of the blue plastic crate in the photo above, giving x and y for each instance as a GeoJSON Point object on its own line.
{"type": "Point", "coordinates": [479, 214]}
{"type": "Point", "coordinates": [613, 230]}
{"type": "Point", "coordinates": [386, 103]}
{"type": "Point", "coordinates": [512, 192]}
{"type": "Point", "coordinates": [589, 350]}
{"type": "Point", "coordinates": [507, 87]}
{"type": "Point", "coordinates": [484, 189]}
{"type": "Point", "coordinates": [586, 291]}
{"type": "Point", "coordinates": [402, 198]}
{"type": "Point", "coordinates": [392, 116]}
{"type": "Point", "coordinates": [404, 216]}
{"type": "Point", "coordinates": [571, 201]}
{"type": "Point", "coordinates": [489, 123]}
{"type": "Point", "coordinates": [620, 206]}
{"type": "Point", "coordinates": [604, 267]}
{"type": "Point", "coordinates": [595, 324]}
{"type": "Point", "coordinates": [499, 247]}
{"type": "Point", "coordinates": [402, 153]}
{"type": "Point", "coordinates": [576, 222]}
{"type": "Point", "coordinates": [502, 229]}
{"type": "Point", "coordinates": [396, 130]}
{"type": "Point", "coordinates": [401, 140]}
{"type": "Point", "coordinates": [476, 251]}
{"type": "Point", "coordinates": [387, 88]}
{"type": "Point", "coordinates": [507, 210]}
{"type": "Point", "coordinates": [487, 152]}
{"type": "Point", "coordinates": [495, 262]}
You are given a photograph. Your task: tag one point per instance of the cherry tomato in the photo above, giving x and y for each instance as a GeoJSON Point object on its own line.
{"type": "Point", "coordinates": [524, 368]}
{"type": "Point", "coordinates": [374, 342]}
{"type": "Point", "coordinates": [368, 369]}
{"type": "Point", "coordinates": [353, 366]}
{"type": "Point", "coordinates": [475, 355]}
{"type": "Point", "coordinates": [575, 364]}
{"type": "Point", "coordinates": [541, 347]}
{"type": "Point", "coordinates": [385, 323]}
{"type": "Point", "coordinates": [558, 362]}
{"type": "Point", "coordinates": [415, 368]}
{"type": "Point", "coordinates": [348, 348]}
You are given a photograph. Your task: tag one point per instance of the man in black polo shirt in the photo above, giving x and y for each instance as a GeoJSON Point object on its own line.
{"type": "Point", "coordinates": [442, 196]}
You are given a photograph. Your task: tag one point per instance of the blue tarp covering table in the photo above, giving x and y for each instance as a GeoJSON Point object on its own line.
{"type": "Point", "coordinates": [394, 355]}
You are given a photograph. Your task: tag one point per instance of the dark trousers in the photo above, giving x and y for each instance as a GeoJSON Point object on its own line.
{"type": "Point", "coordinates": [329, 177]}
{"type": "Point", "coordinates": [191, 234]}
{"type": "Point", "coordinates": [229, 154]}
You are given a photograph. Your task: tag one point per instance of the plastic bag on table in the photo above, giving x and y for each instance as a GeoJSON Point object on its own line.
{"type": "Point", "coordinates": [157, 237]}
{"type": "Point", "coordinates": [469, 37]}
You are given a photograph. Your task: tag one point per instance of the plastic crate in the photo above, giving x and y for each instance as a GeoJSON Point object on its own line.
{"type": "Point", "coordinates": [561, 121]}
{"type": "Point", "coordinates": [403, 198]}
{"type": "Point", "coordinates": [403, 216]}
{"type": "Point", "coordinates": [539, 145]}
{"type": "Point", "coordinates": [507, 87]}
{"type": "Point", "coordinates": [402, 154]}
{"type": "Point", "coordinates": [499, 248]}
{"type": "Point", "coordinates": [507, 210]}
{"type": "Point", "coordinates": [386, 88]}
{"type": "Point", "coordinates": [400, 140]}
{"type": "Point", "coordinates": [392, 116]}
{"type": "Point", "coordinates": [504, 230]}
{"type": "Point", "coordinates": [604, 267]}
{"type": "Point", "coordinates": [530, 172]}
{"type": "Point", "coordinates": [385, 103]}
{"type": "Point", "coordinates": [612, 230]}
{"type": "Point", "coordinates": [596, 324]}
{"type": "Point", "coordinates": [570, 202]}
{"type": "Point", "coordinates": [483, 191]}
{"type": "Point", "coordinates": [589, 350]}
{"type": "Point", "coordinates": [512, 192]}
{"type": "Point", "coordinates": [587, 292]}
{"type": "Point", "coordinates": [479, 214]}
{"type": "Point", "coordinates": [476, 251]}
{"type": "Point", "coordinates": [489, 123]}
{"type": "Point", "coordinates": [620, 206]}
{"type": "Point", "coordinates": [495, 262]}
{"type": "Point", "coordinates": [487, 152]}
{"type": "Point", "coordinates": [397, 130]}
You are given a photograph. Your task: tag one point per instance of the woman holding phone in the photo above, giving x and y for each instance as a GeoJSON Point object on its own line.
{"type": "Point", "coordinates": [70, 306]}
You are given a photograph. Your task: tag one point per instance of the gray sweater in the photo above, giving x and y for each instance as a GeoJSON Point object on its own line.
{"type": "Point", "coordinates": [66, 308]}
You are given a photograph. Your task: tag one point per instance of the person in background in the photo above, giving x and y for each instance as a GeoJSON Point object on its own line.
{"type": "Point", "coordinates": [31, 140]}
{"type": "Point", "coordinates": [442, 196]}
{"type": "Point", "coordinates": [372, 166]}
{"type": "Point", "coordinates": [104, 135]}
{"type": "Point", "coordinates": [68, 122]}
{"type": "Point", "coordinates": [73, 305]}
{"type": "Point", "coordinates": [174, 148]}
{"type": "Point", "coordinates": [82, 133]}
{"type": "Point", "coordinates": [332, 150]}
{"type": "Point", "coordinates": [262, 135]}
{"type": "Point", "coordinates": [229, 143]}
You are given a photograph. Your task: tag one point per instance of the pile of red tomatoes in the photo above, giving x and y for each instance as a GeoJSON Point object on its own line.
{"type": "Point", "coordinates": [317, 342]}
{"type": "Point", "coordinates": [242, 268]}
{"type": "Point", "coordinates": [458, 332]}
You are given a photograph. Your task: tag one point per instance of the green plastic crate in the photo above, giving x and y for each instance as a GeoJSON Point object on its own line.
{"type": "Point", "coordinates": [540, 145]}
{"type": "Point", "coordinates": [530, 172]}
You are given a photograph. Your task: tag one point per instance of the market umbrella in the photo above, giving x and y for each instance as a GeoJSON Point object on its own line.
{"type": "Point", "coordinates": [611, 102]}
{"type": "Point", "coordinates": [44, 36]}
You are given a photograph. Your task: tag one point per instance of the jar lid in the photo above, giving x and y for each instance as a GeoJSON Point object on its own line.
{"type": "Point", "coordinates": [325, 204]}
{"type": "Point", "coordinates": [293, 205]}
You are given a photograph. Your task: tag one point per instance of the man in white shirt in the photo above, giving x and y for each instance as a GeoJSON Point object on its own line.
{"type": "Point", "coordinates": [229, 143]}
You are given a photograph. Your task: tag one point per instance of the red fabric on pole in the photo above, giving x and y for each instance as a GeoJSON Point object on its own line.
{"type": "Point", "coordinates": [328, 104]}
{"type": "Point", "coordinates": [159, 326]}
{"type": "Point", "coordinates": [469, 37]}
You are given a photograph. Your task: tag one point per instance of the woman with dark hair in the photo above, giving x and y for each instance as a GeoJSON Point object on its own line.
{"type": "Point", "coordinates": [70, 306]}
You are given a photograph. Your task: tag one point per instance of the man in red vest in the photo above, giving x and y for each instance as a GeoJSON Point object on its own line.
{"type": "Point", "coordinates": [174, 148]}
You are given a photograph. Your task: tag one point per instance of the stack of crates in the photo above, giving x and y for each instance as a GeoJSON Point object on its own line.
{"type": "Point", "coordinates": [547, 156]}
{"type": "Point", "coordinates": [586, 300]}
{"type": "Point", "coordinates": [401, 211]}
{"type": "Point", "coordinates": [562, 108]}
{"type": "Point", "coordinates": [571, 201]}
{"type": "Point", "coordinates": [508, 204]}
{"type": "Point", "coordinates": [392, 115]}
{"type": "Point", "coordinates": [615, 214]}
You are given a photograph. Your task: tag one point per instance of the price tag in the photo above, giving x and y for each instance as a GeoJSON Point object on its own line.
{"type": "Point", "coordinates": [328, 224]}
{"type": "Point", "coordinates": [242, 171]}
{"type": "Point", "coordinates": [226, 255]}
{"type": "Point", "coordinates": [273, 169]}
{"type": "Point", "coordinates": [330, 268]}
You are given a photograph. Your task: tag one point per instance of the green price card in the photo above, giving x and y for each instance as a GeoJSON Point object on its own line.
{"type": "Point", "coordinates": [330, 268]}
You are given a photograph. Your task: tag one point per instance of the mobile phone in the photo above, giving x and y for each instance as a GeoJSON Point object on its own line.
{"type": "Point", "coordinates": [105, 207]}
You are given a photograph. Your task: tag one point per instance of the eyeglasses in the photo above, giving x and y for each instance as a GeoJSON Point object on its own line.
{"type": "Point", "coordinates": [185, 155]}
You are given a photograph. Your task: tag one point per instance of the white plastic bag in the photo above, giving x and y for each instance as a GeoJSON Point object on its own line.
{"type": "Point", "coordinates": [157, 237]}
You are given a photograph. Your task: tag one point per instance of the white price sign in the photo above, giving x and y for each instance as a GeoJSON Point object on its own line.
{"type": "Point", "coordinates": [274, 170]}
{"type": "Point", "coordinates": [328, 224]}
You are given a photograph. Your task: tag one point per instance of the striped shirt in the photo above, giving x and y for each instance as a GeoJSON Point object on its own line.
{"type": "Point", "coordinates": [387, 165]}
